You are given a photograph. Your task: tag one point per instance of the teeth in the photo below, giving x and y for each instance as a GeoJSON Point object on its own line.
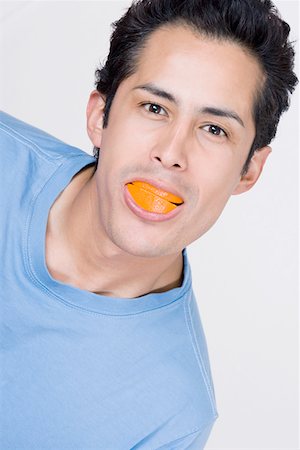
{"type": "Point", "coordinates": [149, 200]}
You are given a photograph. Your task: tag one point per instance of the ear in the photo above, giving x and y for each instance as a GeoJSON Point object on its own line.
{"type": "Point", "coordinates": [255, 168]}
{"type": "Point", "coordinates": [94, 114]}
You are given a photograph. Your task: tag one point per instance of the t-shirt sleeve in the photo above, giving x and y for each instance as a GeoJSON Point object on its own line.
{"type": "Point", "coordinates": [192, 441]}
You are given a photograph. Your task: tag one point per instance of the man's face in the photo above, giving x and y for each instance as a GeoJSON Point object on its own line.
{"type": "Point", "coordinates": [167, 126]}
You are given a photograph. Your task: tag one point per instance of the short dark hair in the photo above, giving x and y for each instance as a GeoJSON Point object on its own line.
{"type": "Point", "coordinates": [256, 25]}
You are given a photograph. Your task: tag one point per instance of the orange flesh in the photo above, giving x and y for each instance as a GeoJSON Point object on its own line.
{"type": "Point", "coordinates": [163, 194]}
{"type": "Point", "coordinates": [152, 199]}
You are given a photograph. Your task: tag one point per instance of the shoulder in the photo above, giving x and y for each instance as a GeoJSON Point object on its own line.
{"type": "Point", "coordinates": [29, 158]}
{"type": "Point", "coordinates": [17, 136]}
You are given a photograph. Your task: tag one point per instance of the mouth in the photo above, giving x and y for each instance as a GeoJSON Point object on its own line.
{"type": "Point", "coordinates": [153, 199]}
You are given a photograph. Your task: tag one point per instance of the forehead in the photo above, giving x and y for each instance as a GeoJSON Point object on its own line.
{"type": "Point", "coordinates": [198, 68]}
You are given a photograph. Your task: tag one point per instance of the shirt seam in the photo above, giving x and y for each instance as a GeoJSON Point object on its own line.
{"type": "Point", "coordinates": [31, 144]}
{"type": "Point", "coordinates": [198, 355]}
{"type": "Point", "coordinates": [108, 314]}
{"type": "Point", "coordinates": [31, 272]}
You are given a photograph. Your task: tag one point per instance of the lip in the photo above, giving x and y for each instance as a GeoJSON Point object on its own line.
{"type": "Point", "coordinates": [146, 215]}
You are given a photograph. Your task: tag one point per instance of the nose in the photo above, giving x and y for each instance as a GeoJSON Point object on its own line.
{"type": "Point", "coordinates": [170, 149]}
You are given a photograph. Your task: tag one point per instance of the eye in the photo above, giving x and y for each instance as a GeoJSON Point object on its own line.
{"type": "Point", "coordinates": [155, 109]}
{"type": "Point", "coordinates": [215, 130]}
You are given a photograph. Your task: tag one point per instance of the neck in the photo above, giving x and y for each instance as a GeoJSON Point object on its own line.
{"type": "Point", "coordinates": [78, 251]}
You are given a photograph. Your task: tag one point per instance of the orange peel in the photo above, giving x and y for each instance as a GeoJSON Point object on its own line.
{"type": "Point", "coordinates": [153, 199]}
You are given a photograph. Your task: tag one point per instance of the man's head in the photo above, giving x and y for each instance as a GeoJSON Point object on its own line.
{"type": "Point", "coordinates": [178, 109]}
{"type": "Point", "coordinates": [253, 24]}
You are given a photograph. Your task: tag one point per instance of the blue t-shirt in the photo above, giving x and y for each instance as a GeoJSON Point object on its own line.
{"type": "Point", "coordinates": [82, 371]}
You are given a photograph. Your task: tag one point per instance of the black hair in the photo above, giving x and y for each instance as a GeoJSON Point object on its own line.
{"type": "Point", "coordinates": [256, 25]}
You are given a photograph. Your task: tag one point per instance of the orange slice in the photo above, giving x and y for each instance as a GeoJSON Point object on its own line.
{"type": "Point", "coordinates": [152, 199]}
{"type": "Point", "coordinates": [163, 194]}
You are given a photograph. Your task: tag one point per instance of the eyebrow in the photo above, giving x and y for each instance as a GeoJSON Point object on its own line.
{"type": "Point", "coordinates": [157, 91]}
{"type": "Point", "coordinates": [219, 112]}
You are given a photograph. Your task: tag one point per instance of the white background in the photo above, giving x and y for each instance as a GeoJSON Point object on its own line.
{"type": "Point", "coordinates": [244, 269]}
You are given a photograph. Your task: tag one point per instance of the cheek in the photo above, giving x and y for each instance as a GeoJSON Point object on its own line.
{"type": "Point", "coordinates": [217, 170]}
{"type": "Point", "coordinates": [124, 139]}
{"type": "Point", "coordinates": [216, 179]}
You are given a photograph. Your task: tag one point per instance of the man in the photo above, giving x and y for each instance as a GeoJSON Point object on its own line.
{"type": "Point", "coordinates": [103, 343]}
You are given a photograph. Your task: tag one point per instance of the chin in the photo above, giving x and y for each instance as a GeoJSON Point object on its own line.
{"type": "Point", "coordinates": [145, 250]}
{"type": "Point", "coordinates": [144, 240]}
{"type": "Point", "coordinates": [143, 247]}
